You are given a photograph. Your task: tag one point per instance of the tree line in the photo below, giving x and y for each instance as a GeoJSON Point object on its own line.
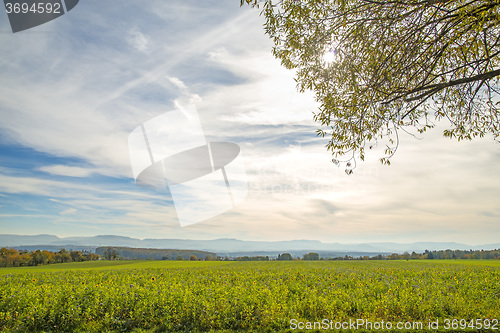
{"type": "Point", "coordinates": [19, 258]}
{"type": "Point", "coordinates": [127, 253]}
{"type": "Point", "coordinates": [441, 254]}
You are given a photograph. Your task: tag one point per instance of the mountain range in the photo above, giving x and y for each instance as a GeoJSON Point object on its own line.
{"type": "Point", "coordinates": [229, 246]}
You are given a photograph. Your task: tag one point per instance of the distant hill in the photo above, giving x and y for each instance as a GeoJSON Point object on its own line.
{"type": "Point", "coordinates": [55, 248]}
{"type": "Point", "coordinates": [300, 254]}
{"type": "Point", "coordinates": [14, 240]}
{"type": "Point", "coordinates": [229, 246]}
{"type": "Point", "coordinates": [155, 254]}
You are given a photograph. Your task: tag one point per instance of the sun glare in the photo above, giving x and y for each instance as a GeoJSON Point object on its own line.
{"type": "Point", "coordinates": [330, 56]}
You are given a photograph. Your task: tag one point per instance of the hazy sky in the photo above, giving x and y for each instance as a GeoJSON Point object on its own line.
{"type": "Point", "coordinates": [72, 90]}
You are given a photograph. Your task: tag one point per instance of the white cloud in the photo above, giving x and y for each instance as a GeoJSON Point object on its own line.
{"type": "Point", "coordinates": [177, 82]}
{"type": "Point", "coordinates": [64, 170]}
{"type": "Point", "coordinates": [69, 211]}
{"type": "Point", "coordinates": [138, 40]}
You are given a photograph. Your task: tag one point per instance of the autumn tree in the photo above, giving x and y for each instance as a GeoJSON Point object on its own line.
{"type": "Point", "coordinates": [62, 256]}
{"type": "Point", "coordinates": [76, 256]}
{"type": "Point", "coordinates": [111, 254]}
{"type": "Point", "coordinates": [39, 258]}
{"type": "Point", "coordinates": [379, 67]}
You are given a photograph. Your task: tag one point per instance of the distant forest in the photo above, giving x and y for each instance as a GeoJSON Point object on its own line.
{"type": "Point", "coordinates": [116, 252]}
{"type": "Point", "coordinates": [18, 258]}
{"type": "Point", "coordinates": [442, 254]}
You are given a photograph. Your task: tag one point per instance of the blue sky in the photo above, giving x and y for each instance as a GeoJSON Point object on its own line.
{"type": "Point", "coordinates": [72, 90]}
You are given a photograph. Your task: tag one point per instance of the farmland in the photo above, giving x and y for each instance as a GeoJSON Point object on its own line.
{"type": "Point", "coordinates": [157, 296]}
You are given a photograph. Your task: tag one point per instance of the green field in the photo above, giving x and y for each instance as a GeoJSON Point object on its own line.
{"type": "Point", "coordinates": [109, 264]}
{"type": "Point", "coordinates": [164, 296]}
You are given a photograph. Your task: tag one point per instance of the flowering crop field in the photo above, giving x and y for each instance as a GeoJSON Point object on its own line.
{"type": "Point", "coordinates": [164, 296]}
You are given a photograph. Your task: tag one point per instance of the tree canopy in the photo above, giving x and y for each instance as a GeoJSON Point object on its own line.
{"type": "Point", "coordinates": [379, 67]}
{"type": "Point", "coordinates": [285, 256]}
{"type": "Point", "coordinates": [311, 256]}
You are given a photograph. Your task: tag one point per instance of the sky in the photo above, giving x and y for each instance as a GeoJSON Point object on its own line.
{"type": "Point", "coordinates": [72, 90]}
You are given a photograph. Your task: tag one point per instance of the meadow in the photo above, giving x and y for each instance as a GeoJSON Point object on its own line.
{"type": "Point", "coordinates": [185, 296]}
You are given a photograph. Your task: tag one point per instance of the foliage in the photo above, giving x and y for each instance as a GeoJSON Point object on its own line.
{"type": "Point", "coordinates": [441, 254]}
{"type": "Point", "coordinates": [311, 256]}
{"type": "Point", "coordinates": [255, 258]}
{"type": "Point", "coordinates": [15, 258]}
{"type": "Point", "coordinates": [250, 296]}
{"type": "Point", "coordinates": [111, 254]}
{"type": "Point", "coordinates": [378, 67]}
{"type": "Point", "coordinates": [285, 256]}
{"type": "Point", "coordinates": [155, 254]}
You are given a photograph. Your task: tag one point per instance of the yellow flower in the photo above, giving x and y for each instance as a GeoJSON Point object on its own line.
{"type": "Point", "coordinates": [153, 278]}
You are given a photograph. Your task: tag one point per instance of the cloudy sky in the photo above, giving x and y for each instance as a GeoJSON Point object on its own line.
{"type": "Point", "coordinates": [72, 90]}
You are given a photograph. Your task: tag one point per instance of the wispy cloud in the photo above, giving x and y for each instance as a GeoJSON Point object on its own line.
{"type": "Point", "coordinates": [69, 211]}
{"type": "Point", "coordinates": [138, 40]}
{"type": "Point", "coordinates": [177, 82]}
{"type": "Point", "coordinates": [65, 170]}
